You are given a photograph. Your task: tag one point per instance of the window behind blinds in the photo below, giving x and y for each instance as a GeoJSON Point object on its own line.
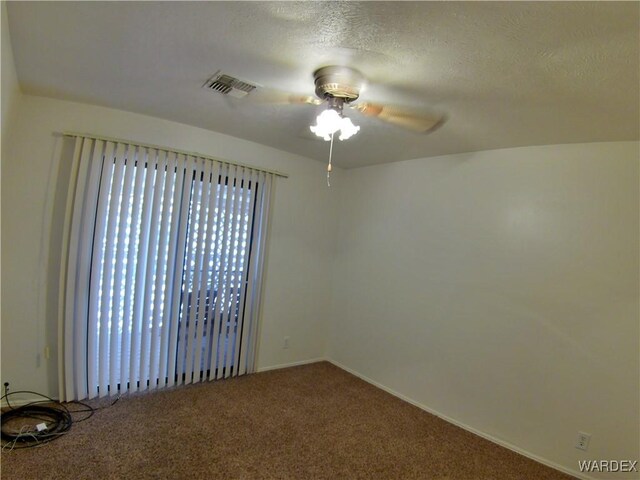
{"type": "Point", "coordinates": [163, 268]}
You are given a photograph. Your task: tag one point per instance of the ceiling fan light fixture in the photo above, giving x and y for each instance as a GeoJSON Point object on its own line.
{"type": "Point", "coordinates": [331, 121]}
{"type": "Point", "coordinates": [327, 123]}
{"type": "Point", "coordinates": [348, 129]}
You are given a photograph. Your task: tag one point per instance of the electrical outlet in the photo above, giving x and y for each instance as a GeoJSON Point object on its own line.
{"type": "Point", "coordinates": [285, 344]}
{"type": "Point", "coordinates": [47, 353]}
{"type": "Point", "coordinates": [583, 441]}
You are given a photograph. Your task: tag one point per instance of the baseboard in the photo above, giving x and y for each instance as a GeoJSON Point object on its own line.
{"type": "Point", "coordinates": [484, 435]}
{"type": "Point", "coordinates": [23, 401]}
{"type": "Point", "coordinates": [293, 364]}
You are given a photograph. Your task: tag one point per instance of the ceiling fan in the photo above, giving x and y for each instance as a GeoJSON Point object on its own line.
{"type": "Point", "coordinates": [340, 86]}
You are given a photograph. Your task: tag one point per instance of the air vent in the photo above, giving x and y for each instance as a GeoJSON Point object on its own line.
{"type": "Point", "coordinates": [228, 85]}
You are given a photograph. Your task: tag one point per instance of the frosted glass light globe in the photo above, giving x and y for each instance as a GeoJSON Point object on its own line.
{"type": "Point", "coordinates": [327, 123]}
{"type": "Point", "coordinates": [348, 129]}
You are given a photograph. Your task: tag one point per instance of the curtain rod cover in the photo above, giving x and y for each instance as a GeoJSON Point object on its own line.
{"type": "Point", "coordinates": [174, 150]}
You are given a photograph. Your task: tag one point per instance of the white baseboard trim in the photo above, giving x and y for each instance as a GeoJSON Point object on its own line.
{"type": "Point", "coordinates": [23, 401]}
{"type": "Point", "coordinates": [293, 364]}
{"type": "Point", "coordinates": [484, 435]}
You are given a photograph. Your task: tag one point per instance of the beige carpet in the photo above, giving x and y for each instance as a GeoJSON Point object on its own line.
{"type": "Point", "coordinates": [310, 422]}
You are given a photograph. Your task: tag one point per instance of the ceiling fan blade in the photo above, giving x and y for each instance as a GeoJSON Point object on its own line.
{"type": "Point", "coordinates": [408, 119]}
{"type": "Point", "coordinates": [277, 97]}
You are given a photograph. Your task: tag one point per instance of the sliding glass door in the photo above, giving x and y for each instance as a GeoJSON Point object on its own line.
{"type": "Point", "coordinates": [214, 285]}
{"type": "Point", "coordinates": [163, 269]}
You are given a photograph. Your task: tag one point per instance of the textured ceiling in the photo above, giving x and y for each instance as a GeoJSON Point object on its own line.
{"type": "Point", "coordinates": [505, 74]}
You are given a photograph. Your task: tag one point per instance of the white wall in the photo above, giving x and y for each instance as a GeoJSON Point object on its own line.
{"type": "Point", "coordinates": [10, 88]}
{"type": "Point", "coordinates": [9, 101]}
{"type": "Point", "coordinates": [296, 294]}
{"type": "Point", "coordinates": [500, 289]}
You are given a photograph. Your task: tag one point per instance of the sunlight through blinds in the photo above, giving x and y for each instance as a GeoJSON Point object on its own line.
{"type": "Point", "coordinates": [163, 267]}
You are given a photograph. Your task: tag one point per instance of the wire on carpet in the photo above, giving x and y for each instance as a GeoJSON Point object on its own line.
{"type": "Point", "coordinates": [41, 421]}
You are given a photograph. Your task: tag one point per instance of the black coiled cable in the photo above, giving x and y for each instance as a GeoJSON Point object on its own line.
{"type": "Point", "coordinates": [39, 422]}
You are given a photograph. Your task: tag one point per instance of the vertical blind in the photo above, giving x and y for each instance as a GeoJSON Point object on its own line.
{"type": "Point", "coordinates": [163, 267]}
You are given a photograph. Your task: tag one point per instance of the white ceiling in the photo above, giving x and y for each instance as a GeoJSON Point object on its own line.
{"type": "Point", "coordinates": [506, 74]}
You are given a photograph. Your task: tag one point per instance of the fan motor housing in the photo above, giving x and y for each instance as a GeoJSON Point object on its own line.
{"type": "Point", "coordinates": [338, 82]}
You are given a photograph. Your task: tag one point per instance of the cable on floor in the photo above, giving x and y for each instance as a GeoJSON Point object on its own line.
{"type": "Point", "coordinates": [41, 421]}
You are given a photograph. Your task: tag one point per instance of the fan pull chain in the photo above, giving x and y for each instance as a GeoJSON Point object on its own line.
{"type": "Point", "coordinates": [329, 168]}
